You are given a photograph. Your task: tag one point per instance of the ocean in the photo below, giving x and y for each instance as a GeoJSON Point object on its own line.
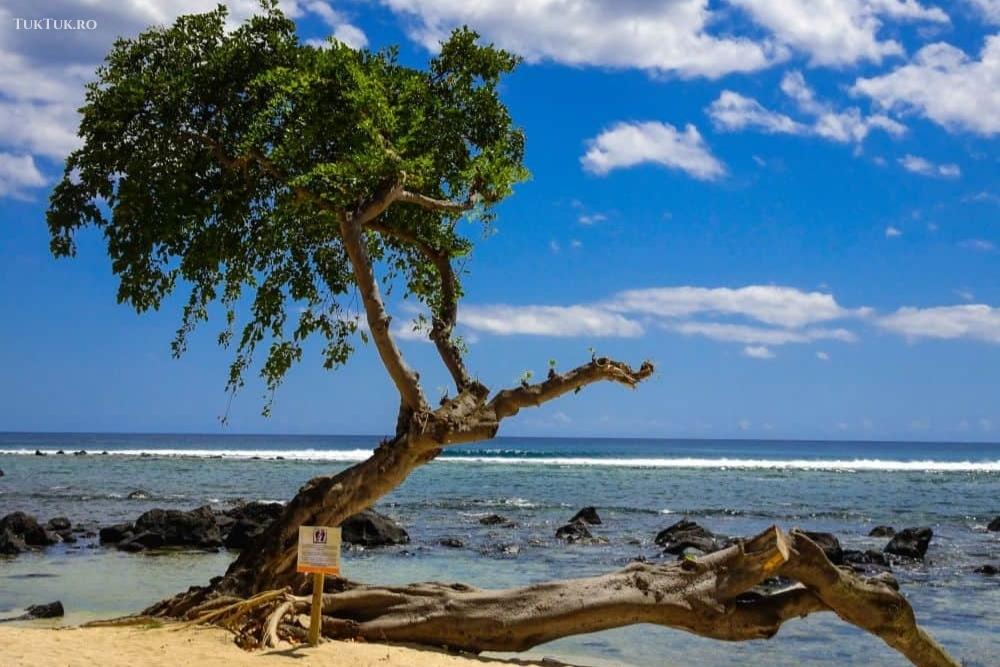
{"type": "Point", "coordinates": [732, 487]}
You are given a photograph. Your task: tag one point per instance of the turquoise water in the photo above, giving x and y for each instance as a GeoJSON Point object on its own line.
{"type": "Point", "coordinates": [639, 487]}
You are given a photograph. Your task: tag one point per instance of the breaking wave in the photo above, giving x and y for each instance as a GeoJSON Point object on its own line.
{"type": "Point", "coordinates": [522, 457]}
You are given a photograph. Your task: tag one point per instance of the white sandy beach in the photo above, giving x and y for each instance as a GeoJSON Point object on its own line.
{"type": "Point", "coordinates": [202, 647]}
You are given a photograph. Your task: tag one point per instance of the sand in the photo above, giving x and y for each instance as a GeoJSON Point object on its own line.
{"type": "Point", "coordinates": [198, 647]}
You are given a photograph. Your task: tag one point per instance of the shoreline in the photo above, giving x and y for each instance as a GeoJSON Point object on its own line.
{"type": "Point", "coordinates": [170, 645]}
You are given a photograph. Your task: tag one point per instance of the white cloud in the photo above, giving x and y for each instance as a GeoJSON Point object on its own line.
{"type": "Point", "coordinates": [741, 333]}
{"type": "Point", "coordinates": [591, 218]}
{"type": "Point", "coordinates": [837, 32]}
{"type": "Point", "coordinates": [976, 321]}
{"type": "Point", "coordinates": [965, 295]}
{"type": "Point", "coordinates": [782, 306]}
{"type": "Point", "coordinates": [822, 356]}
{"type": "Point", "coordinates": [924, 167]}
{"type": "Point", "coordinates": [659, 37]}
{"type": "Point", "coordinates": [982, 245]}
{"type": "Point", "coordinates": [343, 30]}
{"type": "Point", "coordinates": [732, 111]}
{"type": "Point", "coordinates": [42, 73]}
{"type": "Point", "coordinates": [945, 85]}
{"type": "Point", "coordinates": [786, 311]}
{"type": "Point", "coordinates": [893, 232]}
{"type": "Point", "coordinates": [17, 174]}
{"type": "Point", "coordinates": [758, 352]}
{"type": "Point", "coordinates": [988, 9]}
{"type": "Point", "coordinates": [562, 321]}
{"type": "Point", "coordinates": [629, 144]}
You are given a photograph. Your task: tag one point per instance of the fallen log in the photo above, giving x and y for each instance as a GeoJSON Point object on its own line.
{"type": "Point", "coordinates": [713, 596]}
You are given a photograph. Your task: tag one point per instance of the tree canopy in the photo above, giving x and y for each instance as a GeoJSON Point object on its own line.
{"type": "Point", "coordinates": [224, 163]}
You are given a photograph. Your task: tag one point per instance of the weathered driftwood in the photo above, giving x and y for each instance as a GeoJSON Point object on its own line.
{"type": "Point", "coordinates": [712, 596]}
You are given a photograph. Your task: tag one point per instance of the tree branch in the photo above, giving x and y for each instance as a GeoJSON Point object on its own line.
{"type": "Point", "coordinates": [509, 401]}
{"type": "Point", "coordinates": [869, 604]}
{"type": "Point", "coordinates": [443, 320]}
{"type": "Point", "coordinates": [405, 379]}
{"type": "Point", "coordinates": [439, 205]}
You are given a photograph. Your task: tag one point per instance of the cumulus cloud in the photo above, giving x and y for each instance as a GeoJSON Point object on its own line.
{"type": "Point", "coordinates": [781, 306]}
{"type": "Point", "coordinates": [837, 33]}
{"type": "Point", "coordinates": [780, 315]}
{"type": "Point", "coordinates": [975, 321]}
{"type": "Point", "coordinates": [732, 111]}
{"type": "Point", "coordinates": [924, 167]}
{"type": "Point", "coordinates": [561, 321]}
{"type": "Point", "coordinates": [943, 84]}
{"type": "Point", "coordinates": [42, 73]}
{"type": "Point", "coordinates": [659, 37]}
{"type": "Point", "coordinates": [741, 333]}
{"type": "Point", "coordinates": [18, 173]}
{"type": "Point", "coordinates": [988, 9]}
{"type": "Point", "coordinates": [343, 30]}
{"type": "Point", "coordinates": [893, 232]}
{"type": "Point", "coordinates": [630, 144]}
{"type": "Point", "coordinates": [757, 317]}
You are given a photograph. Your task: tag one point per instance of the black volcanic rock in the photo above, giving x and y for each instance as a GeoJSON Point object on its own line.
{"type": "Point", "coordinates": [994, 525]}
{"type": "Point", "coordinates": [115, 533]}
{"type": "Point", "coordinates": [194, 528]}
{"type": "Point", "coordinates": [882, 531]}
{"type": "Point", "coordinates": [587, 515]}
{"type": "Point", "coordinates": [25, 528]}
{"type": "Point", "coordinates": [495, 520]}
{"type": "Point", "coordinates": [50, 610]}
{"type": "Point", "coordinates": [368, 528]}
{"type": "Point", "coordinates": [829, 544]}
{"type": "Point", "coordinates": [246, 522]}
{"type": "Point", "coordinates": [910, 543]}
{"type": "Point", "coordinates": [574, 531]}
{"type": "Point", "coordinates": [686, 534]}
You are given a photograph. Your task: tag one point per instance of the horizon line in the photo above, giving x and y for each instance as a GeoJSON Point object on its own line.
{"type": "Point", "coordinates": [503, 437]}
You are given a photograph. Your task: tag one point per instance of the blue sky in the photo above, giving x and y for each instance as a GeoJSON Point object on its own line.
{"type": "Point", "coordinates": [792, 208]}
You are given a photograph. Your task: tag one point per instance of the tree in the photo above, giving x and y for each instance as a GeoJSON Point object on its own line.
{"type": "Point", "coordinates": [267, 177]}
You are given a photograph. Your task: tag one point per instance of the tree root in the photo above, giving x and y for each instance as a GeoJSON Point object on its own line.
{"type": "Point", "coordinates": [712, 596]}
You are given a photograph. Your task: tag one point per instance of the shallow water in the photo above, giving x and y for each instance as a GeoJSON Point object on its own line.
{"type": "Point", "coordinates": [639, 487]}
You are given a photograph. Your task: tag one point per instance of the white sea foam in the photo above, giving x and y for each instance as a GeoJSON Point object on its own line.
{"type": "Point", "coordinates": [353, 455]}
{"type": "Point", "coordinates": [748, 464]}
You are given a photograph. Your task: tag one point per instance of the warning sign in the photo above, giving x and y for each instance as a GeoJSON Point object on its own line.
{"type": "Point", "coordinates": [319, 549]}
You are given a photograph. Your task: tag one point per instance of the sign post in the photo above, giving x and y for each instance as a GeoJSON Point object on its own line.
{"type": "Point", "coordinates": [319, 554]}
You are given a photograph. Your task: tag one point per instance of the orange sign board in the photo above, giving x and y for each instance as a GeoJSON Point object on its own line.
{"type": "Point", "coordinates": [319, 550]}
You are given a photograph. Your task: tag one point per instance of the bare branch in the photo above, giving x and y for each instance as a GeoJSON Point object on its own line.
{"type": "Point", "coordinates": [869, 604]}
{"type": "Point", "coordinates": [509, 401]}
